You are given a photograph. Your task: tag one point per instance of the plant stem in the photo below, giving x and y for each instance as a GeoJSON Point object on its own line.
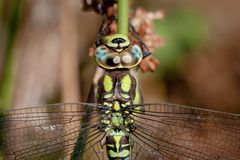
{"type": "Point", "coordinates": [122, 18]}
{"type": "Point", "coordinates": [6, 83]}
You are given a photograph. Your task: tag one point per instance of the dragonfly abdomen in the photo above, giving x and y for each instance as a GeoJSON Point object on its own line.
{"type": "Point", "coordinates": [118, 145]}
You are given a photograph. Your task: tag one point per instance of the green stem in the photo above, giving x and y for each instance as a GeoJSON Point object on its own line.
{"type": "Point", "coordinates": [122, 18]}
{"type": "Point", "coordinates": [6, 83]}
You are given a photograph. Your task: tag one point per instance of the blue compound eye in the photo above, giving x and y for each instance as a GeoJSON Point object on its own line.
{"type": "Point", "coordinates": [132, 58]}
{"type": "Point", "coordinates": [107, 59]}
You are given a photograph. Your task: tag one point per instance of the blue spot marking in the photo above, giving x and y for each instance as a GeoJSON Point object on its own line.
{"type": "Point", "coordinates": [136, 51]}
{"type": "Point", "coordinates": [101, 53]}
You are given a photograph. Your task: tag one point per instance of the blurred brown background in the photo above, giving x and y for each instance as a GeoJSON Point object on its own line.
{"type": "Point", "coordinates": [44, 53]}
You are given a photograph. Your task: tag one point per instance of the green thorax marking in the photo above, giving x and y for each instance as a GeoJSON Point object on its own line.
{"type": "Point", "coordinates": [107, 83]}
{"type": "Point", "coordinates": [126, 83]}
{"type": "Point", "coordinates": [117, 106]}
{"type": "Point", "coordinates": [117, 120]}
{"type": "Point", "coordinates": [138, 96]}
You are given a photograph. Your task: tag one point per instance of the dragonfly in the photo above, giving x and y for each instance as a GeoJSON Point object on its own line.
{"type": "Point", "coordinates": [115, 124]}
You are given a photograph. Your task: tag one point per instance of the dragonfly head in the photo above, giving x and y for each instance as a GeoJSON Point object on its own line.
{"type": "Point", "coordinates": [117, 52]}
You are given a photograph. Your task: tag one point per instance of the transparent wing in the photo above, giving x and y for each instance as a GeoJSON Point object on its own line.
{"type": "Point", "coordinates": [51, 132]}
{"type": "Point", "coordinates": [174, 132]}
{"type": "Point", "coordinates": [164, 131]}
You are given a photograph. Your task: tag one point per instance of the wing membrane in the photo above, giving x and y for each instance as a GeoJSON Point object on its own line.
{"type": "Point", "coordinates": [51, 132]}
{"type": "Point", "coordinates": [163, 132]}
{"type": "Point", "coordinates": [180, 132]}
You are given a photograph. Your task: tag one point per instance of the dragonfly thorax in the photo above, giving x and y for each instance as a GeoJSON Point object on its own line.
{"type": "Point", "coordinates": [116, 119]}
{"type": "Point", "coordinates": [117, 93]}
{"type": "Point", "coordinates": [118, 85]}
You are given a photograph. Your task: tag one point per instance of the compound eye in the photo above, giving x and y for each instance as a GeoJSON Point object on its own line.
{"type": "Point", "coordinates": [107, 59]}
{"type": "Point", "coordinates": [132, 58]}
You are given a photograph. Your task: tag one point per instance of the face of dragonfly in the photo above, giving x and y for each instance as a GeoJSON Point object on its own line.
{"type": "Point", "coordinates": [117, 52]}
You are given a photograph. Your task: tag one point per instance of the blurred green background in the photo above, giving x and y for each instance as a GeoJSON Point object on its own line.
{"type": "Point", "coordinates": [44, 53]}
